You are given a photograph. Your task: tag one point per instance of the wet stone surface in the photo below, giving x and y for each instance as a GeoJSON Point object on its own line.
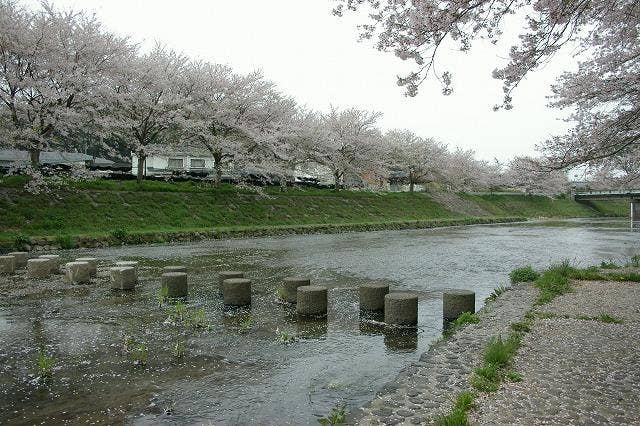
{"type": "Point", "coordinates": [575, 371]}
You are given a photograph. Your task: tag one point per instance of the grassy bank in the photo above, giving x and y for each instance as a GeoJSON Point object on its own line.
{"type": "Point", "coordinates": [115, 209]}
{"type": "Point", "coordinates": [537, 206]}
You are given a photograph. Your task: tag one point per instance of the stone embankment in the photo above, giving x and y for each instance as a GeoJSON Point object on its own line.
{"type": "Point", "coordinates": [579, 364]}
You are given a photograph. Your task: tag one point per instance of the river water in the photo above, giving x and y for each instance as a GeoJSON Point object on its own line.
{"type": "Point", "coordinates": [238, 370]}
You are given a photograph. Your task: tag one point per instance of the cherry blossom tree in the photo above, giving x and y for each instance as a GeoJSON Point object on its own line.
{"type": "Point", "coordinates": [347, 142]}
{"type": "Point", "coordinates": [239, 118]}
{"type": "Point", "coordinates": [54, 69]}
{"type": "Point", "coordinates": [524, 174]}
{"type": "Point", "coordinates": [603, 92]}
{"type": "Point", "coordinates": [422, 159]}
{"type": "Point", "coordinates": [147, 101]}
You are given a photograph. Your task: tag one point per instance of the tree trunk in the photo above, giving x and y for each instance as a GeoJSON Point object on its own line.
{"type": "Point", "coordinates": [34, 154]}
{"type": "Point", "coordinates": [141, 160]}
{"type": "Point", "coordinates": [217, 167]}
{"type": "Point", "coordinates": [336, 178]}
{"type": "Point", "coordinates": [411, 186]}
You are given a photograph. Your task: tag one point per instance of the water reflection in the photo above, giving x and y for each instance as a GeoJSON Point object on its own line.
{"type": "Point", "coordinates": [311, 328]}
{"type": "Point", "coordinates": [401, 339]}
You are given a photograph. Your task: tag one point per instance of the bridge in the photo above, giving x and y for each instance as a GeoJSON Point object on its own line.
{"type": "Point", "coordinates": [633, 195]}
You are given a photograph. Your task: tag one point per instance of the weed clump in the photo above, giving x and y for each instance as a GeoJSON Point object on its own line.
{"type": "Point", "coordinates": [458, 414]}
{"type": "Point", "coordinates": [44, 365]}
{"type": "Point", "coordinates": [464, 319]}
{"type": "Point", "coordinates": [554, 282]}
{"type": "Point", "coordinates": [335, 417]}
{"type": "Point", "coordinates": [524, 274]}
{"type": "Point", "coordinates": [497, 357]}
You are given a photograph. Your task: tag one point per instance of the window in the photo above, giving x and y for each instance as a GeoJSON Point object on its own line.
{"type": "Point", "coordinates": [176, 163]}
{"type": "Point", "coordinates": [197, 163]}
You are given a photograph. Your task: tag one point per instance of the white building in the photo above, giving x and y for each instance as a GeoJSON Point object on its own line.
{"type": "Point", "coordinates": [161, 161]}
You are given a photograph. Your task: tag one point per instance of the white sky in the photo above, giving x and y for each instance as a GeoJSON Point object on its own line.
{"type": "Point", "coordinates": [316, 57]}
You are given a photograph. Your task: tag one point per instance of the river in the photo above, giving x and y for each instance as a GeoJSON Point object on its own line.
{"type": "Point", "coordinates": [238, 370]}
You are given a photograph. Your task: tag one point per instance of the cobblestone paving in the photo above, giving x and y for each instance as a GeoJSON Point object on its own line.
{"type": "Point", "coordinates": [575, 371]}
{"type": "Point", "coordinates": [427, 388]}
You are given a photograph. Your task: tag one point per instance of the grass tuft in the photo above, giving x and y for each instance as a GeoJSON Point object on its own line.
{"type": "Point", "coordinates": [44, 365]}
{"type": "Point", "coordinates": [458, 414]}
{"type": "Point", "coordinates": [496, 293]}
{"type": "Point", "coordinates": [524, 274]}
{"type": "Point", "coordinates": [464, 319]}
{"type": "Point", "coordinates": [554, 282]}
{"type": "Point", "coordinates": [335, 417]}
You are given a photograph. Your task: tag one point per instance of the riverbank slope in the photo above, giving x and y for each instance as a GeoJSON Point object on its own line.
{"type": "Point", "coordinates": [161, 211]}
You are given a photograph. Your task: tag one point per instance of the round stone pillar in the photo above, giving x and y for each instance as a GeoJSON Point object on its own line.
{"type": "Point", "coordinates": [7, 264]}
{"type": "Point", "coordinates": [54, 262]}
{"type": "Point", "coordinates": [123, 277]}
{"type": "Point", "coordinates": [290, 287]}
{"type": "Point", "coordinates": [93, 264]}
{"type": "Point", "coordinates": [312, 300]}
{"type": "Point", "coordinates": [174, 268]}
{"type": "Point", "coordinates": [236, 291]}
{"type": "Point", "coordinates": [175, 283]}
{"type": "Point", "coordinates": [401, 309]}
{"type": "Point", "coordinates": [372, 296]}
{"type": "Point", "coordinates": [225, 275]}
{"type": "Point", "coordinates": [20, 257]}
{"type": "Point", "coordinates": [128, 263]}
{"type": "Point", "coordinates": [455, 302]}
{"type": "Point", "coordinates": [77, 272]}
{"type": "Point", "coordinates": [38, 268]}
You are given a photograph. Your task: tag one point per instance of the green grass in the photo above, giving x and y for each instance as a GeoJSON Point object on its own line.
{"type": "Point", "coordinates": [554, 282]}
{"type": "Point", "coordinates": [464, 319]}
{"type": "Point", "coordinates": [44, 365]}
{"type": "Point", "coordinates": [123, 210]}
{"type": "Point", "coordinates": [603, 317]}
{"type": "Point", "coordinates": [336, 416]}
{"type": "Point", "coordinates": [496, 358]}
{"type": "Point", "coordinates": [524, 274]}
{"type": "Point", "coordinates": [539, 206]}
{"type": "Point", "coordinates": [495, 293]}
{"type": "Point", "coordinates": [458, 414]}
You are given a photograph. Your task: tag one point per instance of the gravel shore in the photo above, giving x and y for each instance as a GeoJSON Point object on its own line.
{"type": "Point", "coordinates": [575, 367]}
{"type": "Point", "coordinates": [575, 371]}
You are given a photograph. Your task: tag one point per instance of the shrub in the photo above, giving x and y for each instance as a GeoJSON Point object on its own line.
{"type": "Point", "coordinates": [120, 234]}
{"type": "Point", "coordinates": [21, 241]}
{"type": "Point", "coordinates": [65, 241]}
{"type": "Point", "coordinates": [524, 274]}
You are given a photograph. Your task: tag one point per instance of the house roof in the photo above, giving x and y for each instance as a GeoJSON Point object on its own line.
{"type": "Point", "coordinates": [50, 157]}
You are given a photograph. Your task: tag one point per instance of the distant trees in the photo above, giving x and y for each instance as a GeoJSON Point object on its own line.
{"type": "Point", "coordinates": [422, 159]}
{"type": "Point", "coordinates": [65, 81]}
{"type": "Point", "coordinates": [348, 142]}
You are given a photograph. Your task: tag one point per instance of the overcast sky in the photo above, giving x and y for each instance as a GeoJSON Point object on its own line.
{"type": "Point", "coordinates": [316, 57]}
